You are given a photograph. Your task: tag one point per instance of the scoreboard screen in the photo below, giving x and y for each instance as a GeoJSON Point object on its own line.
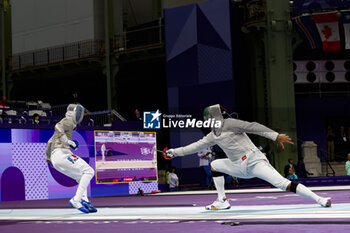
{"type": "Point", "coordinates": [125, 156]}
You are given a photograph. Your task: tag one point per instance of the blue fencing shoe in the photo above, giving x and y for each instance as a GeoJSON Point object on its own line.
{"type": "Point", "coordinates": [78, 206]}
{"type": "Point", "coordinates": [87, 205]}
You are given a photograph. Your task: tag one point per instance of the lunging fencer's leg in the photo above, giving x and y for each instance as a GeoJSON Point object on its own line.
{"type": "Point", "coordinates": [220, 203]}
{"type": "Point", "coordinates": [303, 191]}
{"type": "Point", "coordinates": [219, 180]}
{"type": "Point", "coordinates": [265, 171]}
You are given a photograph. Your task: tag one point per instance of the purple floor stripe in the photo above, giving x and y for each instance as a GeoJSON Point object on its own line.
{"type": "Point", "coordinates": [162, 227]}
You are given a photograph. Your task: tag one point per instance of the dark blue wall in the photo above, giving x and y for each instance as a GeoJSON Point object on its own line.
{"type": "Point", "coordinates": [198, 63]}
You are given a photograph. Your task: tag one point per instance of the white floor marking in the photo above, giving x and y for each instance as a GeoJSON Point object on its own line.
{"type": "Point", "coordinates": [257, 190]}
{"type": "Point", "coordinates": [302, 211]}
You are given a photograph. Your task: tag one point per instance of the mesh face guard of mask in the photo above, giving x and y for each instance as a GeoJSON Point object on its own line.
{"type": "Point", "coordinates": [77, 112]}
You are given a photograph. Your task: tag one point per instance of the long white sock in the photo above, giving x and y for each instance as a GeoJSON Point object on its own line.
{"type": "Point", "coordinates": [85, 196]}
{"type": "Point", "coordinates": [83, 184]}
{"type": "Point", "coordinates": [219, 182]}
{"type": "Point", "coordinates": [305, 192]}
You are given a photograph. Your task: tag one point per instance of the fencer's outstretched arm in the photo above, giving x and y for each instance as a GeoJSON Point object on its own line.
{"type": "Point", "coordinates": [192, 148]}
{"type": "Point", "coordinates": [239, 126]}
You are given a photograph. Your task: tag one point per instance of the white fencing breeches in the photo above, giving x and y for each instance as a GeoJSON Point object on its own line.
{"type": "Point", "coordinates": [76, 168]}
{"type": "Point", "coordinates": [261, 169]}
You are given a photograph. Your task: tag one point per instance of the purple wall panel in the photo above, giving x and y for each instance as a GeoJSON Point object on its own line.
{"type": "Point", "coordinates": [24, 173]}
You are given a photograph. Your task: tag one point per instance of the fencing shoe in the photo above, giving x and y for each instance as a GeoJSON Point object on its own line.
{"type": "Point", "coordinates": [78, 206]}
{"type": "Point", "coordinates": [325, 201]}
{"type": "Point", "coordinates": [219, 205]}
{"type": "Point", "coordinates": [87, 205]}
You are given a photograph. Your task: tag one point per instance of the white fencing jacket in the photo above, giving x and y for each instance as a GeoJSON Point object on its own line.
{"type": "Point", "coordinates": [233, 139]}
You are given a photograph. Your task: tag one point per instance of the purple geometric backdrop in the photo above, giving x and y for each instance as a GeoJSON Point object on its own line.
{"type": "Point", "coordinates": [22, 156]}
{"type": "Point", "coordinates": [146, 187]}
{"type": "Point", "coordinates": [28, 157]}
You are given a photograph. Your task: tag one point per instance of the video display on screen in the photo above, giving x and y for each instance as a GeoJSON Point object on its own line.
{"type": "Point", "coordinates": [125, 156]}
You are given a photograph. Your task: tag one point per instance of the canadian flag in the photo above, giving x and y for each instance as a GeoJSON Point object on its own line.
{"type": "Point", "coordinates": [327, 25]}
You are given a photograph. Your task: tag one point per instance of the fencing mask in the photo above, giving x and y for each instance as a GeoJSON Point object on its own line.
{"type": "Point", "coordinates": [213, 112]}
{"type": "Point", "coordinates": [75, 112]}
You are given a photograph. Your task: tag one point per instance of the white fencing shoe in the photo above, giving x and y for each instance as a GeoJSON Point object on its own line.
{"type": "Point", "coordinates": [219, 205]}
{"type": "Point", "coordinates": [78, 206]}
{"type": "Point", "coordinates": [325, 201]}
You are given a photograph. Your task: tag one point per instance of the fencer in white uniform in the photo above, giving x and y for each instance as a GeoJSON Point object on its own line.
{"type": "Point", "coordinates": [244, 160]}
{"type": "Point", "coordinates": [103, 150]}
{"type": "Point", "coordinates": [63, 160]}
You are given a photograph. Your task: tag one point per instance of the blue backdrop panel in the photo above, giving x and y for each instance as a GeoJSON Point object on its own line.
{"type": "Point", "coordinates": [182, 15]}
{"type": "Point", "coordinates": [208, 59]}
{"type": "Point", "coordinates": [110, 189]}
{"type": "Point", "coordinates": [217, 13]}
{"type": "Point", "coordinates": [207, 34]}
{"type": "Point", "coordinates": [200, 96]}
{"type": "Point", "coordinates": [199, 61]}
{"type": "Point", "coordinates": [186, 38]}
{"type": "Point", "coordinates": [183, 69]}
{"type": "Point", "coordinates": [5, 135]}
